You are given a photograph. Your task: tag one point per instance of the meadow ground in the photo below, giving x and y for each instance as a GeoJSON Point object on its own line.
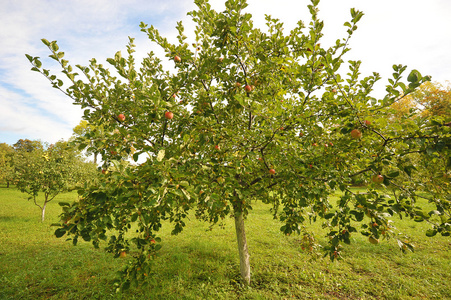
{"type": "Point", "coordinates": [203, 264]}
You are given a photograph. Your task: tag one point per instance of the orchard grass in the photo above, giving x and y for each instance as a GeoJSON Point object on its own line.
{"type": "Point", "coordinates": [203, 264]}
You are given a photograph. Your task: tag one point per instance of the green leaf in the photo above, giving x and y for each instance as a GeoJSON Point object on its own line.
{"type": "Point", "coordinates": [414, 76]}
{"type": "Point", "coordinates": [46, 42]}
{"type": "Point", "coordinates": [431, 232]}
{"type": "Point", "coordinates": [393, 174]}
{"type": "Point", "coordinates": [60, 232]}
{"type": "Point", "coordinates": [54, 46]}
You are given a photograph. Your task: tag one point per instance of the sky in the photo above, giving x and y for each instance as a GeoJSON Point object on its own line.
{"type": "Point", "coordinates": [415, 33]}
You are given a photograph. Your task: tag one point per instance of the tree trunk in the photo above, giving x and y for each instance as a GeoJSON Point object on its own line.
{"type": "Point", "coordinates": [245, 268]}
{"type": "Point", "coordinates": [43, 212]}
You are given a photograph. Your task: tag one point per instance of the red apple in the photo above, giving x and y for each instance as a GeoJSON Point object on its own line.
{"type": "Point", "coordinates": [301, 134]}
{"type": "Point", "coordinates": [356, 134]}
{"type": "Point", "coordinates": [237, 84]}
{"type": "Point", "coordinates": [103, 171]}
{"type": "Point", "coordinates": [315, 144]}
{"type": "Point", "coordinates": [217, 147]}
{"type": "Point", "coordinates": [367, 122]}
{"type": "Point", "coordinates": [334, 91]}
{"type": "Point", "coordinates": [168, 115]}
{"type": "Point", "coordinates": [272, 171]}
{"type": "Point", "coordinates": [248, 88]}
{"type": "Point", "coordinates": [378, 178]}
{"type": "Point", "coordinates": [121, 117]}
{"type": "Point", "coordinates": [177, 59]}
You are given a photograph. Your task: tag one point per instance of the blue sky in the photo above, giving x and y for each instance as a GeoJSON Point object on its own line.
{"type": "Point", "coordinates": [415, 33]}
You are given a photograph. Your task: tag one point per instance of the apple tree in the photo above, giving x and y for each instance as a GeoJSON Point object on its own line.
{"type": "Point", "coordinates": [51, 171]}
{"type": "Point", "coordinates": [6, 164]}
{"type": "Point", "coordinates": [245, 114]}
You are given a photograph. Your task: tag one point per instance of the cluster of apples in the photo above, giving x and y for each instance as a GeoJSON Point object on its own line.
{"type": "Point", "coordinates": [357, 134]}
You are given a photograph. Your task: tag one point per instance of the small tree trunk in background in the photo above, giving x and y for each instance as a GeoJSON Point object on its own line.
{"type": "Point", "coordinates": [43, 212]}
{"type": "Point", "coordinates": [245, 268]}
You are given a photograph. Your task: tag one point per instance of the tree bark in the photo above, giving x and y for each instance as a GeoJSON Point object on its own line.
{"type": "Point", "coordinates": [245, 268]}
{"type": "Point", "coordinates": [43, 212]}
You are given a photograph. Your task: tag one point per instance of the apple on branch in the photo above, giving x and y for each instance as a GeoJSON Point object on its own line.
{"type": "Point", "coordinates": [378, 178]}
{"type": "Point", "coordinates": [121, 117]}
{"type": "Point", "coordinates": [356, 134]}
{"type": "Point", "coordinates": [168, 115]}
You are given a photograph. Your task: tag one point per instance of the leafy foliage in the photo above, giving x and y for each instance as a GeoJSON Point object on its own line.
{"type": "Point", "coordinates": [255, 115]}
{"type": "Point", "coordinates": [6, 164]}
{"type": "Point", "coordinates": [51, 171]}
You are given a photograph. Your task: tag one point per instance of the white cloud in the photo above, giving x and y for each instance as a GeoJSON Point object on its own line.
{"type": "Point", "coordinates": [412, 32]}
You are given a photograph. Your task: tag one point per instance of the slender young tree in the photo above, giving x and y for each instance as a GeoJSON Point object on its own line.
{"type": "Point", "coordinates": [247, 114]}
{"type": "Point", "coordinates": [50, 172]}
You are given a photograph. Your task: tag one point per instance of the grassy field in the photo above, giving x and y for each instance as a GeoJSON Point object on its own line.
{"type": "Point", "coordinates": [202, 264]}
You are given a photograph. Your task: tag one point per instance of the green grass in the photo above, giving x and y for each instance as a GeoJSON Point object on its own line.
{"type": "Point", "coordinates": [202, 264]}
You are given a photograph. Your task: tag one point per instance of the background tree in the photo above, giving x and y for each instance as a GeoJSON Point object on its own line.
{"type": "Point", "coordinates": [6, 164]}
{"type": "Point", "coordinates": [51, 171]}
{"type": "Point", "coordinates": [28, 145]}
{"type": "Point", "coordinates": [430, 99]}
{"type": "Point", "coordinates": [246, 115]}
{"type": "Point", "coordinates": [430, 103]}
{"type": "Point", "coordinates": [82, 135]}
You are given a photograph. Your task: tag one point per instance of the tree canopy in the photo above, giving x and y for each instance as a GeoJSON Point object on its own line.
{"type": "Point", "coordinates": [247, 114]}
